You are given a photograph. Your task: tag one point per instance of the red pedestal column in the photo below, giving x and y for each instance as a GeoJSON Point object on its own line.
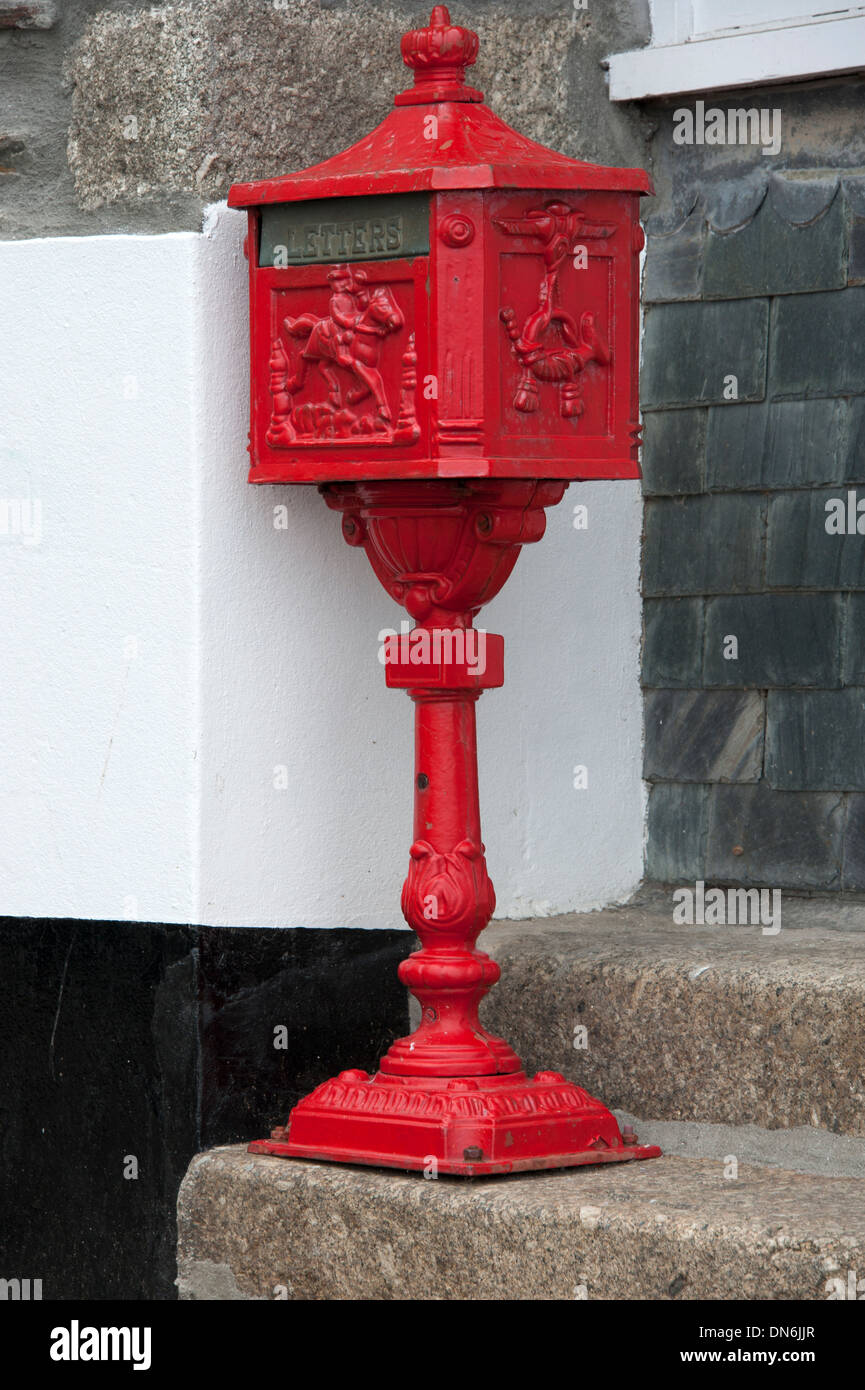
{"type": "Point", "coordinates": [447, 900]}
{"type": "Point", "coordinates": [450, 1098]}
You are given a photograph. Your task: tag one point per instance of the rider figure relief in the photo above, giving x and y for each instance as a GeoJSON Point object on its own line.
{"type": "Point", "coordinates": [562, 360]}
{"type": "Point", "coordinates": [349, 298]}
{"type": "Point", "coordinates": [345, 346]}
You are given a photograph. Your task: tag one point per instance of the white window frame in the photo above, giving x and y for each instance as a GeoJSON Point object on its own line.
{"type": "Point", "coordinates": [785, 45]}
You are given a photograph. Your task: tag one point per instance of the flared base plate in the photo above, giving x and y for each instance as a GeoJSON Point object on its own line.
{"type": "Point", "coordinates": [460, 1126]}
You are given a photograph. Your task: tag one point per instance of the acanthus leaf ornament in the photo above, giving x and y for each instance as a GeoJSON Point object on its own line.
{"type": "Point", "coordinates": [447, 892]}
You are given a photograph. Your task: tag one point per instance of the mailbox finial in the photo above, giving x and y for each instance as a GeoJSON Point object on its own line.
{"type": "Point", "coordinates": [439, 55]}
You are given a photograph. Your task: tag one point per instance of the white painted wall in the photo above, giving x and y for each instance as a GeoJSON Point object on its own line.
{"type": "Point", "coordinates": [97, 777]}
{"type": "Point", "coordinates": [166, 649]}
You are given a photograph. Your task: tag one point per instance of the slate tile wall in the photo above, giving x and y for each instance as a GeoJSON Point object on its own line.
{"type": "Point", "coordinates": [756, 757]}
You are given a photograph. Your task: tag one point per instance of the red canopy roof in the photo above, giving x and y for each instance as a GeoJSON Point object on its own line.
{"type": "Point", "coordinates": [472, 148]}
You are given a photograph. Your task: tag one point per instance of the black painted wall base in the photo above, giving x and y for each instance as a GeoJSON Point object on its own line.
{"type": "Point", "coordinates": [125, 1048]}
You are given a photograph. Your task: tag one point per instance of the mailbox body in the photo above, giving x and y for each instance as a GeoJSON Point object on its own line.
{"type": "Point", "coordinates": [444, 299]}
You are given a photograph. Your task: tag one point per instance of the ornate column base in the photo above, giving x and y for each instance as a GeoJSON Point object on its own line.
{"type": "Point", "coordinates": [466, 1127]}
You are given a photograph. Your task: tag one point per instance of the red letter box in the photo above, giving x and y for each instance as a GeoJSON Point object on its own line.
{"type": "Point", "coordinates": [444, 331]}
{"type": "Point", "coordinates": [444, 299]}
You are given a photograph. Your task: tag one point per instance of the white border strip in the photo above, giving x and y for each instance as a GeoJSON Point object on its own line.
{"type": "Point", "coordinates": [740, 60]}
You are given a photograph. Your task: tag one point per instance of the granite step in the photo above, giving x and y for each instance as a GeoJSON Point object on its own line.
{"type": "Point", "coordinates": [726, 1025]}
{"type": "Point", "coordinates": [253, 1227]}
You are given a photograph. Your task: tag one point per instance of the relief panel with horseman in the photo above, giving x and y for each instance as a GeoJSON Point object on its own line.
{"type": "Point", "coordinates": [343, 355]}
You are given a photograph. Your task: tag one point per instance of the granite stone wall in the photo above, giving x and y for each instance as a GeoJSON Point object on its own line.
{"type": "Point", "coordinates": [129, 115]}
{"type": "Point", "coordinates": [753, 392]}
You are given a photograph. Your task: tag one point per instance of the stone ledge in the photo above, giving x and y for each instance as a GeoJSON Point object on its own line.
{"type": "Point", "coordinates": [719, 1024]}
{"type": "Point", "coordinates": [262, 1228]}
{"type": "Point", "coordinates": [802, 1149]}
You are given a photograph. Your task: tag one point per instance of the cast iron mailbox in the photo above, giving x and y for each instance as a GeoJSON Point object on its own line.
{"type": "Point", "coordinates": [444, 331]}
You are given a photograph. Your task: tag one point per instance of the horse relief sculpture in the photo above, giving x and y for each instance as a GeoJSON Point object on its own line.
{"type": "Point", "coordinates": [551, 346]}
{"type": "Point", "coordinates": [335, 364]}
